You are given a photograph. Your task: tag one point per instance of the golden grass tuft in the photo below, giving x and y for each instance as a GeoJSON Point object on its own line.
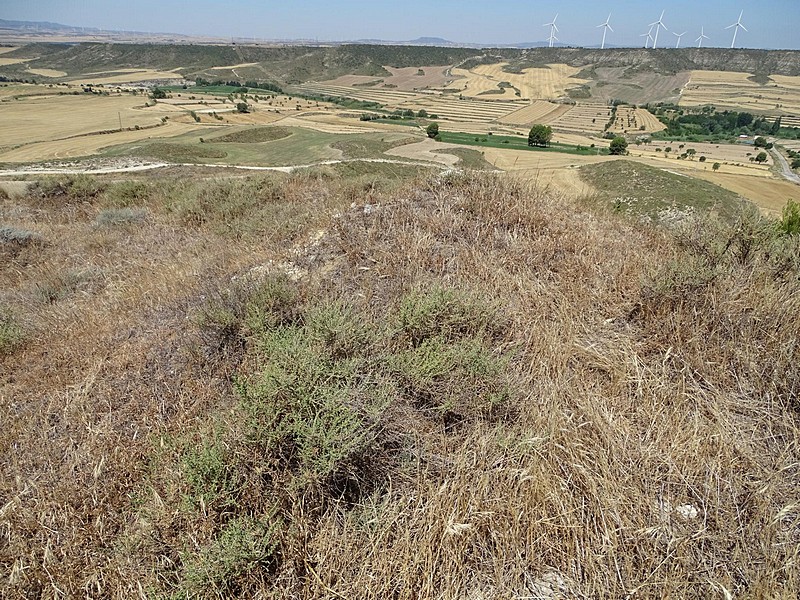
{"type": "Point", "coordinates": [464, 387]}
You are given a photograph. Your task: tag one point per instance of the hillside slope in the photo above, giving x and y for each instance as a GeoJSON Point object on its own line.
{"type": "Point", "coordinates": [456, 387]}
{"type": "Point", "coordinates": [297, 64]}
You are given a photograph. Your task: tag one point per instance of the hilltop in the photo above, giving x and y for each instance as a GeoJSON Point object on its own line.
{"type": "Point", "coordinates": [299, 64]}
{"type": "Point", "coordinates": [449, 385]}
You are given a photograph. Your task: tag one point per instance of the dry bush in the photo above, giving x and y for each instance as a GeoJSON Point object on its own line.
{"type": "Point", "coordinates": [465, 388]}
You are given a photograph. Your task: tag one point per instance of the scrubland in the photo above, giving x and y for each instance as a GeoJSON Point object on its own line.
{"type": "Point", "coordinates": [441, 386]}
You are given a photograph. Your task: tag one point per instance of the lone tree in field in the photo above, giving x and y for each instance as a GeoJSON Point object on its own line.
{"type": "Point", "coordinates": [540, 136]}
{"type": "Point", "coordinates": [618, 146]}
{"type": "Point", "coordinates": [762, 157]}
{"type": "Point", "coordinates": [242, 107]}
{"type": "Point", "coordinates": [716, 166]}
{"type": "Point", "coordinates": [433, 130]}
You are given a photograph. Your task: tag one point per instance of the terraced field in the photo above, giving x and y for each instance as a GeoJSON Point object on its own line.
{"type": "Point", "coordinates": [467, 109]}
{"type": "Point", "coordinates": [540, 111]}
{"type": "Point", "coordinates": [580, 118]}
{"type": "Point", "coordinates": [736, 91]}
{"type": "Point", "coordinates": [790, 121]}
{"type": "Point", "coordinates": [446, 106]}
{"type": "Point", "coordinates": [630, 120]}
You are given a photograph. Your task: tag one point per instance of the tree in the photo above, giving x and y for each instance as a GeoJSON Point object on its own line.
{"type": "Point", "coordinates": [762, 157]}
{"type": "Point", "coordinates": [422, 113]}
{"type": "Point", "coordinates": [618, 146]}
{"type": "Point", "coordinates": [716, 166]}
{"type": "Point", "coordinates": [242, 107]}
{"type": "Point", "coordinates": [691, 152]}
{"type": "Point", "coordinates": [760, 142]}
{"type": "Point", "coordinates": [540, 135]}
{"type": "Point", "coordinates": [433, 130]}
{"type": "Point", "coordinates": [158, 94]}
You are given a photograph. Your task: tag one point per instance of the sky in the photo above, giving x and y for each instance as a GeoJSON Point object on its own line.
{"type": "Point", "coordinates": [770, 23]}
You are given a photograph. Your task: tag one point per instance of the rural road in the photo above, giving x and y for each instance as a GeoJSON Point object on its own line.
{"type": "Point", "coordinates": [786, 169]}
{"type": "Point", "coordinates": [97, 170]}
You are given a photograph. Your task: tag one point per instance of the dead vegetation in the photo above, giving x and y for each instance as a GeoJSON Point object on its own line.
{"type": "Point", "coordinates": [461, 387]}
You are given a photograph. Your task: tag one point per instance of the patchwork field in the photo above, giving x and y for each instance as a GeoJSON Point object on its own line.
{"type": "Point", "coordinates": [779, 95]}
{"type": "Point", "coordinates": [88, 145]}
{"type": "Point", "coordinates": [446, 106]}
{"type": "Point", "coordinates": [537, 83]}
{"type": "Point", "coordinates": [637, 88]}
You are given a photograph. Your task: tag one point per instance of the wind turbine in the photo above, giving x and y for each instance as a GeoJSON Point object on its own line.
{"type": "Point", "coordinates": [553, 28]}
{"type": "Point", "coordinates": [679, 36]}
{"type": "Point", "coordinates": [738, 24]}
{"type": "Point", "coordinates": [658, 24]}
{"type": "Point", "coordinates": [605, 27]}
{"type": "Point", "coordinates": [702, 37]}
{"type": "Point", "coordinates": [648, 36]}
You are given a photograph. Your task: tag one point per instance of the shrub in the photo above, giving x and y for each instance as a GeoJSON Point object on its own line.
{"type": "Point", "coordinates": [11, 333]}
{"type": "Point", "coordinates": [18, 237]}
{"type": "Point", "coordinates": [789, 223]}
{"type": "Point", "coordinates": [432, 130]}
{"type": "Point", "coordinates": [72, 188]}
{"type": "Point", "coordinates": [244, 545]}
{"type": "Point", "coordinates": [122, 216]}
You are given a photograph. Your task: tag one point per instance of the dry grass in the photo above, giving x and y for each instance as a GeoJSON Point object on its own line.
{"type": "Point", "coordinates": [464, 388]}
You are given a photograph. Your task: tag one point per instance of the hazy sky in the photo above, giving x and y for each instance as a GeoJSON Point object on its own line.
{"type": "Point", "coordinates": [771, 23]}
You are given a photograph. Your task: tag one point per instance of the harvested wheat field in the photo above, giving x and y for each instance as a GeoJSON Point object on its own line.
{"type": "Point", "coordinates": [540, 111]}
{"type": "Point", "coordinates": [90, 144]}
{"type": "Point", "coordinates": [770, 194]}
{"type": "Point", "coordinates": [46, 72]}
{"type": "Point", "coordinates": [417, 78]}
{"type": "Point", "coordinates": [12, 61]}
{"type": "Point", "coordinates": [449, 386]}
{"type": "Point", "coordinates": [128, 76]}
{"type": "Point", "coordinates": [533, 84]}
{"type": "Point", "coordinates": [51, 118]}
{"type": "Point", "coordinates": [583, 117]}
{"type": "Point", "coordinates": [736, 91]}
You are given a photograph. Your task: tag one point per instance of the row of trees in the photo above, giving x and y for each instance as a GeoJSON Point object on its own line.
{"type": "Point", "coordinates": [540, 136]}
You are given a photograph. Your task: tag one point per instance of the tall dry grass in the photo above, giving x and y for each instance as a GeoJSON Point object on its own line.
{"type": "Point", "coordinates": [647, 445]}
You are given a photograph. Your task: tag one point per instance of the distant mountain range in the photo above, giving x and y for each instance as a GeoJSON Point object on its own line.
{"type": "Point", "coordinates": [45, 27]}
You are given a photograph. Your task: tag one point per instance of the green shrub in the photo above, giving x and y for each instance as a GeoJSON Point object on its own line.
{"type": "Point", "coordinates": [243, 546]}
{"type": "Point", "coordinates": [70, 188]}
{"type": "Point", "coordinates": [208, 473]}
{"type": "Point", "coordinates": [789, 223]}
{"type": "Point", "coordinates": [447, 314]}
{"type": "Point", "coordinates": [127, 193]}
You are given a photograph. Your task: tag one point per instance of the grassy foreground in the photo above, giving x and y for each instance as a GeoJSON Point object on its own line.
{"type": "Point", "coordinates": [454, 387]}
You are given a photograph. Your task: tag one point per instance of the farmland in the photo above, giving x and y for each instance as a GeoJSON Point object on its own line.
{"type": "Point", "coordinates": [263, 344]}
{"type": "Point", "coordinates": [776, 95]}
{"type": "Point", "coordinates": [472, 99]}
